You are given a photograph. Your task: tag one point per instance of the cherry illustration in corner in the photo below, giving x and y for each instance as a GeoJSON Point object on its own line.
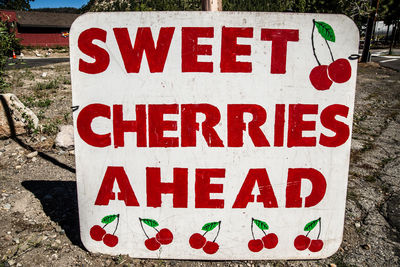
{"type": "Point", "coordinates": [303, 242]}
{"type": "Point", "coordinates": [339, 71]}
{"type": "Point", "coordinates": [198, 241]}
{"type": "Point", "coordinates": [99, 233]}
{"type": "Point", "coordinates": [163, 236]}
{"type": "Point", "coordinates": [269, 241]}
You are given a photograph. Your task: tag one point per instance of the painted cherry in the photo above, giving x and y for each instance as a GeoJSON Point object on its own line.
{"type": "Point", "coordinates": [211, 247]}
{"type": "Point", "coordinates": [316, 245]}
{"type": "Point", "coordinates": [152, 244]}
{"type": "Point", "coordinates": [110, 240]}
{"type": "Point", "coordinates": [255, 245]}
{"type": "Point", "coordinates": [340, 70]}
{"type": "Point", "coordinates": [197, 241]}
{"type": "Point", "coordinates": [302, 242]}
{"type": "Point", "coordinates": [270, 241]}
{"type": "Point", "coordinates": [97, 233]}
{"type": "Point", "coordinates": [164, 236]}
{"type": "Point", "coordinates": [319, 78]}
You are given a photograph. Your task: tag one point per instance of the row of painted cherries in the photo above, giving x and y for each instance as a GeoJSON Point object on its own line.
{"type": "Point", "coordinates": [198, 241]}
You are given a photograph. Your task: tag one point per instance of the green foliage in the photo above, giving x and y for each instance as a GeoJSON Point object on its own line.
{"type": "Point", "coordinates": [51, 127]}
{"type": "Point", "coordinates": [16, 4]}
{"type": "Point", "coordinates": [389, 10]}
{"type": "Point", "coordinates": [141, 5]}
{"type": "Point", "coordinates": [357, 10]}
{"type": "Point", "coordinates": [8, 43]}
{"type": "Point", "coordinates": [70, 10]}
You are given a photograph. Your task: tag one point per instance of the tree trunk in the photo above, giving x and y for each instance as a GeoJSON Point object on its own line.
{"type": "Point", "coordinates": [368, 34]}
{"type": "Point", "coordinates": [392, 41]}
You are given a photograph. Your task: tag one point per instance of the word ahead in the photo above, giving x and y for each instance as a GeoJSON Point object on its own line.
{"type": "Point", "coordinates": [212, 136]}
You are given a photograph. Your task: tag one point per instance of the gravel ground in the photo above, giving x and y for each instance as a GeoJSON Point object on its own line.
{"type": "Point", "coordinates": [38, 204]}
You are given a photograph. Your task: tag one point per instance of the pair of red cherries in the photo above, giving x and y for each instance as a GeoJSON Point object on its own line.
{"type": "Point", "coordinates": [323, 76]}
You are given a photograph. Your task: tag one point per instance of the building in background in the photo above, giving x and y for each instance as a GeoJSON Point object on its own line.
{"type": "Point", "coordinates": [40, 28]}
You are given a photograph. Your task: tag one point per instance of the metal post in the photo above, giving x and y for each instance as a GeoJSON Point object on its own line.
{"type": "Point", "coordinates": [212, 5]}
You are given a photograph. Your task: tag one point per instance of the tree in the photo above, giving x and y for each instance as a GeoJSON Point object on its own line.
{"type": "Point", "coordinates": [15, 4]}
{"type": "Point", "coordinates": [8, 42]}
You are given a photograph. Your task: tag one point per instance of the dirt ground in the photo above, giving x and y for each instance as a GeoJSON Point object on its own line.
{"type": "Point", "coordinates": [38, 205]}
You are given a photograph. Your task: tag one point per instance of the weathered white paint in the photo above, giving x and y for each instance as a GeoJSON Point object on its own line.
{"type": "Point", "coordinates": [115, 86]}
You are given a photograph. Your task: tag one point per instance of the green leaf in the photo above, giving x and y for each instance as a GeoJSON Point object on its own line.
{"type": "Point", "coordinates": [311, 225]}
{"type": "Point", "coordinates": [261, 224]}
{"type": "Point", "coordinates": [325, 30]}
{"type": "Point", "coordinates": [209, 226]}
{"type": "Point", "coordinates": [109, 218]}
{"type": "Point", "coordinates": [150, 222]}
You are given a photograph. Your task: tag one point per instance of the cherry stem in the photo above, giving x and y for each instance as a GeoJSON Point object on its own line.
{"type": "Point", "coordinates": [205, 233]}
{"type": "Point", "coordinates": [219, 228]}
{"type": "Point", "coordinates": [105, 225]}
{"type": "Point", "coordinates": [319, 222]}
{"type": "Point", "coordinates": [141, 224]}
{"type": "Point", "coordinates": [308, 233]}
{"type": "Point", "coordinates": [312, 42]}
{"type": "Point", "coordinates": [252, 223]}
{"type": "Point", "coordinates": [330, 51]}
{"type": "Point", "coordinates": [155, 229]}
{"type": "Point", "coordinates": [264, 232]}
{"type": "Point", "coordinates": [117, 224]}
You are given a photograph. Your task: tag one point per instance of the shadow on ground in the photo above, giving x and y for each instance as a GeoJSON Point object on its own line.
{"type": "Point", "coordinates": [59, 201]}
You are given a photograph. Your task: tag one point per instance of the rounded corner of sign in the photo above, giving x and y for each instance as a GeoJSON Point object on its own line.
{"type": "Point", "coordinates": [352, 24]}
{"type": "Point", "coordinates": [87, 244]}
{"type": "Point", "coordinates": [78, 21]}
{"type": "Point", "coordinates": [332, 251]}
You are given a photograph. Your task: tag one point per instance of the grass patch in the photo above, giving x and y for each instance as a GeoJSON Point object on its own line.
{"type": "Point", "coordinates": [370, 178]}
{"type": "Point", "coordinates": [31, 101]}
{"type": "Point", "coordinates": [53, 84]}
{"type": "Point", "coordinates": [51, 127]}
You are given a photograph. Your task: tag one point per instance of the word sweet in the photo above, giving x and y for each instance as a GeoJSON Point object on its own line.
{"type": "Point", "coordinates": [157, 54]}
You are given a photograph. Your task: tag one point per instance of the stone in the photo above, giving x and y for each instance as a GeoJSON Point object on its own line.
{"type": "Point", "coordinates": [32, 155]}
{"type": "Point", "coordinates": [44, 74]}
{"type": "Point", "coordinates": [8, 237]}
{"type": "Point", "coordinates": [65, 138]}
{"type": "Point", "coordinates": [22, 117]}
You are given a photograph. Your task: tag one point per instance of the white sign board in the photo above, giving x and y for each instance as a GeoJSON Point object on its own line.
{"type": "Point", "coordinates": [213, 135]}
